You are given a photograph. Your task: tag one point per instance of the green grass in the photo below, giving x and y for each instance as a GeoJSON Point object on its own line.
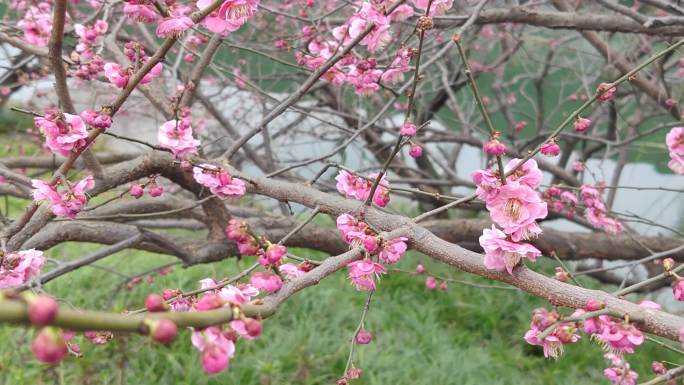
{"type": "Point", "coordinates": [465, 335]}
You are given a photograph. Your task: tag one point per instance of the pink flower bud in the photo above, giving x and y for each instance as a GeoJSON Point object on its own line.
{"type": "Point", "coordinates": [430, 283]}
{"type": "Point", "coordinates": [494, 148]}
{"type": "Point", "coordinates": [606, 91]}
{"type": "Point", "coordinates": [420, 269]}
{"type": "Point", "coordinates": [668, 264]}
{"type": "Point", "coordinates": [520, 126]}
{"type": "Point", "coordinates": [49, 345]}
{"type": "Point", "coordinates": [42, 310]}
{"type": "Point", "coordinates": [416, 151]}
{"type": "Point", "coordinates": [155, 302]}
{"type": "Point", "coordinates": [363, 337]}
{"type": "Point", "coordinates": [582, 124]}
{"type": "Point", "coordinates": [578, 166]}
{"type": "Point", "coordinates": [658, 367]}
{"type": "Point", "coordinates": [594, 304]}
{"type": "Point", "coordinates": [443, 286]}
{"type": "Point", "coordinates": [274, 253]}
{"type": "Point", "coordinates": [550, 148]}
{"type": "Point", "coordinates": [253, 327]}
{"type": "Point", "coordinates": [354, 373]}
{"type": "Point", "coordinates": [669, 103]}
{"type": "Point", "coordinates": [408, 129]}
{"type": "Point", "coordinates": [136, 191]}
{"type": "Point", "coordinates": [163, 330]}
{"type": "Point", "coordinates": [678, 290]}
{"type": "Point", "coordinates": [561, 274]}
{"type": "Point", "coordinates": [155, 190]}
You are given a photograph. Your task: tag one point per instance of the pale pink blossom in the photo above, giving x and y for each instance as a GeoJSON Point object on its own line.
{"type": "Point", "coordinates": [569, 198]}
{"type": "Point", "coordinates": [65, 203]}
{"type": "Point", "coordinates": [376, 39]}
{"type": "Point", "coordinates": [391, 251]}
{"type": "Point", "coordinates": [230, 16]}
{"type": "Point", "coordinates": [398, 67]}
{"type": "Point", "coordinates": [676, 163]}
{"type": "Point", "coordinates": [140, 12]}
{"type": "Point", "coordinates": [173, 26]}
{"type": "Point", "coordinates": [219, 181]}
{"type": "Point", "coordinates": [430, 283]}
{"type": "Point", "coordinates": [516, 208]}
{"type": "Point", "coordinates": [364, 273]}
{"type": "Point", "coordinates": [438, 7]}
{"type": "Point", "coordinates": [487, 182]}
{"type": "Point", "coordinates": [502, 254]}
{"type": "Point", "coordinates": [675, 140]}
{"type": "Point", "coordinates": [17, 268]}
{"type": "Point", "coordinates": [116, 74]}
{"type": "Point", "coordinates": [291, 270]}
{"type": "Point", "coordinates": [37, 24]}
{"type": "Point", "coordinates": [528, 174]}
{"type": "Point", "coordinates": [266, 281]}
{"type": "Point", "coordinates": [64, 133]}
{"type": "Point", "coordinates": [248, 328]}
{"type": "Point", "coordinates": [176, 135]}
{"type": "Point", "coordinates": [96, 119]}
{"type": "Point", "coordinates": [619, 336]}
{"type": "Point", "coordinates": [401, 13]}
{"type": "Point", "coordinates": [606, 91]}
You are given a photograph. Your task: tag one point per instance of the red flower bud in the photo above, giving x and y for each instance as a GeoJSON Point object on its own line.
{"type": "Point", "coordinates": [155, 302]}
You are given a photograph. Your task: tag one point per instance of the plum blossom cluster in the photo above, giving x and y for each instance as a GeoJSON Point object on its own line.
{"type": "Point", "coordinates": [230, 15]}
{"type": "Point", "coordinates": [364, 273]}
{"type": "Point", "coordinates": [176, 23]}
{"type": "Point", "coordinates": [119, 75]}
{"type": "Point", "coordinates": [595, 210]}
{"type": "Point", "coordinates": [359, 188]}
{"type": "Point", "coordinates": [176, 135]}
{"type": "Point", "coordinates": [17, 268]}
{"type": "Point", "coordinates": [616, 336]}
{"type": "Point", "coordinates": [89, 64]}
{"type": "Point", "coordinates": [515, 207]}
{"type": "Point", "coordinates": [219, 181]}
{"type": "Point", "coordinates": [562, 202]}
{"type": "Point", "coordinates": [217, 343]}
{"type": "Point", "coordinates": [675, 146]}
{"type": "Point", "coordinates": [67, 200]}
{"type": "Point", "coordinates": [140, 10]}
{"type": "Point", "coordinates": [37, 23]}
{"type": "Point", "coordinates": [64, 133]}
{"type": "Point", "coordinates": [363, 73]}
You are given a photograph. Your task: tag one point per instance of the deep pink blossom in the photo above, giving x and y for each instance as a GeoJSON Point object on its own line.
{"type": "Point", "coordinates": [230, 16]}
{"type": "Point", "coordinates": [430, 283]}
{"type": "Point", "coordinates": [66, 202]}
{"type": "Point", "coordinates": [96, 119]}
{"type": "Point", "coordinates": [116, 74]}
{"type": "Point", "coordinates": [550, 148]}
{"type": "Point", "coordinates": [675, 140]}
{"type": "Point", "coordinates": [364, 273]}
{"type": "Point", "coordinates": [17, 268]}
{"type": "Point", "coordinates": [415, 151]}
{"type": "Point", "coordinates": [140, 12]}
{"type": "Point", "coordinates": [502, 254]}
{"type": "Point", "coordinates": [363, 337]}
{"type": "Point", "coordinates": [63, 132]}
{"type": "Point", "coordinates": [176, 135]}
{"type": "Point", "coordinates": [248, 328]}
{"type": "Point", "coordinates": [494, 147]}
{"type": "Point", "coordinates": [620, 336]}
{"type": "Point", "coordinates": [219, 181]}
{"type": "Point", "coordinates": [42, 309]}
{"type": "Point", "coordinates": [678, 289]}
{"type": "Point", "coordinates": [37, 24]}
{"type": "Point", "coordinates": [606, 91]}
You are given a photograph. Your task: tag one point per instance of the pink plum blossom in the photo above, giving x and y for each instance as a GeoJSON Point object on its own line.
{"type": "Point", "coordinates": [528, 174]}
{"type": "Point", "coordinates": [408, 129]}
{"type": "Point", "coordinates": [391, 251]}
{"type": "Point", "coordinates": [215, 347]}
{"type": "Point", "coordinates": [358, 188]}
{"type": "Point", "coordinates": [553, 343]}
{"type": "Point", "coordinates": [176, 135]}
{"type": "Point", "coordinates": [582, 124]}
{"type": "Point", "coordinates": [438, 7]}
{"type": "Point", "coordinates": [291, 270]}
{"type": "Point", "coordinates": [415, 151]}
{"type": "Point", "coordinates": [502, 254]}
{"type": "Point", "coordinates": [219, 181]}
{"type": "Point", "coordinates": [173, 26]}
{"type": "Point", "coordinates": [379, 35]}
{"type": "Point", "coordinates": [17, 268]}
{"type": "Point", "coordinates": [430, 283]}
{"type": "Point", "coordinates": [363, 274]}
{"type": "Point", "coordinates": [65, 203]}
{"type": "Point", "coordinates": [516, 208]}
{"type": "Point", "coordinates": [64, 133]}
{"type": "Point", "coordinates": [550, 148]}
{"type": "Point", "coordinates": [266, 281]}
